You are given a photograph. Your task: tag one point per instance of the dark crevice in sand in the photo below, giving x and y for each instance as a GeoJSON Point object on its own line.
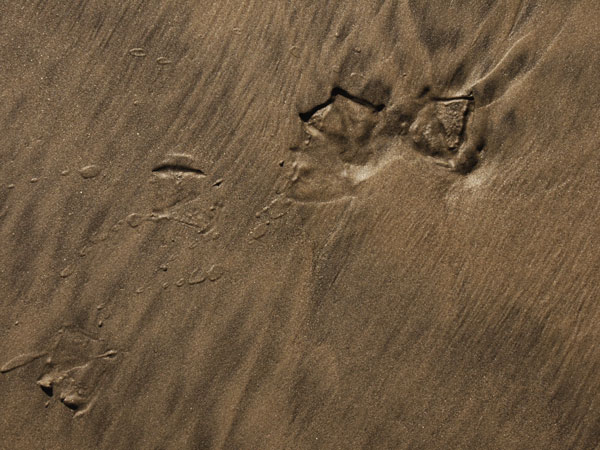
{"type": "Point", "coordinates": [305, 116]}
{"type": "Point", "coordinates": [177, 168]}
{"type": "Point", "coordinates": [424, 92]}
{"type": "Point", "coordinates": [70, 404]}
{"type": "Point", "coordinates": [469, 98]}
{"type": "Point", "coordinates": [47, 390]}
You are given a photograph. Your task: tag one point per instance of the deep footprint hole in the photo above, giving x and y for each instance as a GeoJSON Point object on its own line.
{"type": "Point", "coordinates": [47, 390]}
{"type": "Point", "coordinates": [72, 406]}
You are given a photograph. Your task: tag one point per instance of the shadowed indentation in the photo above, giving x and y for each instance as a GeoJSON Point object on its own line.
{"type": "Point", "coordinates": [468, 97]}
{"type": "Point", "coordinates": [73, 406]}
{"type": "Point", "coordinates": [47, 389]}
{"type": "Point", "coordinates": [305, 116]}
{"type": "Point", "coordinates": [179, 163]}
{"type": "Point", "coordinates": [177, 168]}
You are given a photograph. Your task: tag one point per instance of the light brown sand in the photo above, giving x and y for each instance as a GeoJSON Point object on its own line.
{"type": "Point", "coordinates": [299, 224]}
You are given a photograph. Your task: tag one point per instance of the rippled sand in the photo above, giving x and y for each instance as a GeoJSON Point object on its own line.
{"type": "Point", "coordinates": [294, 225]}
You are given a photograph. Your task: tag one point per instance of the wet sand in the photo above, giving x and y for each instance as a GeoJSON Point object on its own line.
{"type": "Point", "coordinates": [297, 225]}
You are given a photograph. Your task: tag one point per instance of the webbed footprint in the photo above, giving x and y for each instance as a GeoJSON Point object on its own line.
{"type": "Point", "coordinates": [337, 140]}
{"type": "Point", "coordinates": [347, 140]}
{"type": "Point", "coordinates": [439, 127]}
{"type": "Point", "coordinates": [75, 367]}
{"type": "Point", "coordinates": [76, 364]}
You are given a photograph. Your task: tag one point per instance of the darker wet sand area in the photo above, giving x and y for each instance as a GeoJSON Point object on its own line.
{"type": "Point", "coordinates": [299, 225]}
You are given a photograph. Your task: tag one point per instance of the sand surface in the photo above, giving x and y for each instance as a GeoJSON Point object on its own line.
{"type": "Point", "coordinates": [299, 224]}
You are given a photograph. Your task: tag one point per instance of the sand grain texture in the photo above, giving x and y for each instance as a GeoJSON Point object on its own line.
{"type": "Point", "coordinates": [297, 225]}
